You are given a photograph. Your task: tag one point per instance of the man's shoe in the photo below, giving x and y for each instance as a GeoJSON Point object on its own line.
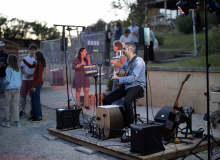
{"type": "Point", "coordinates": [87, 107]}
{"type": "Point", "coordinates": [37, 119]}
{"type": "Point", "coordinates": [6, 124]}
{"type": "Point", "coordinates": [22, 114]}
{"type": "Point", "coordinates": [17, 124]}
{"type": "Point", "coordinates": [30, 118]}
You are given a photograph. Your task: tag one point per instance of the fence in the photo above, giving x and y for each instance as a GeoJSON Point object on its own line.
{"type": "Point", "coordinates": [55, 71]}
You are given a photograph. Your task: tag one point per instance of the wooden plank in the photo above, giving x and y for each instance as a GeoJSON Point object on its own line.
{"type": "Point", "coordinates": [124, 153]}
{"type": "Point", "coordinates": [92, 145]}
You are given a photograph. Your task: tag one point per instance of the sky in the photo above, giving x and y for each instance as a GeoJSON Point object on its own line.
{"type": "Point", "coordinates": [64, 12]}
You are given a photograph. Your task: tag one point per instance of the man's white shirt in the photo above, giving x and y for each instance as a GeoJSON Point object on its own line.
{"type": "Point", "coordinates": [133, 37]}
{"type": "Point", "coordinates": [27, 69]}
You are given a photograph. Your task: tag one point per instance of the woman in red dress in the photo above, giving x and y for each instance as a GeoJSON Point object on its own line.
{"type": "Point", "coordinates": [80, 80]}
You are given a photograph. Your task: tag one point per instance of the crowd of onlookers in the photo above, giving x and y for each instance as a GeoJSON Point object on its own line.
{"type": "Point", "coordinates": [16, 88]}
{"type": "Point", "coordinates": [130, 35]}
{"type": "Point", "coordinates": [19, 81]}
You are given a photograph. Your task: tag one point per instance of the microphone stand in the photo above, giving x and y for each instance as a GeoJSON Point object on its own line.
{"type": "Point", "coordinates": [100, 69]}
{"type": "Point", "coordinates": [208, 136]}
{"type": "Point", "coordinates": [146, 51]}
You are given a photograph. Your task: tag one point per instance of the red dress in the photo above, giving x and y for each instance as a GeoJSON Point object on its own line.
{"type": "Point", "coordinates": [79, 79]}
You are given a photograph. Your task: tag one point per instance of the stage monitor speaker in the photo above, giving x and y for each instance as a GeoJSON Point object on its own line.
{"type": "Point", "coordinates": [163, 114]}
{"type": "Point", "coordinates": [68, 118]}
{"type": "Point", "coordinates": [63, 42]}
{"type": "Point", "coordinates": [146, 138]}
{"type": "Point", "coordinates": [144, 36]}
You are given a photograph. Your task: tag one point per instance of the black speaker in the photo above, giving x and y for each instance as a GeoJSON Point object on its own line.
{"type": "Point", "coordinates": [163, 114]}
{"type": "Point", "coordinates": [144, 36]}
{"type": "Point", "coordinates": [146, 138]}
{"type": "Point", "coordinates": [140, 37]}
{"type": "Point", "coordinates": [63, 44]}
{"type": "Point", "coordinates": [68, 118]}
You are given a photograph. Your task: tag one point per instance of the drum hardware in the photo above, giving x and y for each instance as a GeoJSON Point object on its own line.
{"type": "Point", "coordinates": [96, 131]}
{"type": "Point", "coordinates": [126, 136]}
{"type": "Point", "coordinates": [90, 128]}
{"type": "Point", "coordinates": [103, 133]}
{"type": "Point", "coordinates": [93, 130]}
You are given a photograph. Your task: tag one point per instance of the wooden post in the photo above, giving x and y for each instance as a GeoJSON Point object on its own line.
{"type": "Point", "coordinates": [165, 7]}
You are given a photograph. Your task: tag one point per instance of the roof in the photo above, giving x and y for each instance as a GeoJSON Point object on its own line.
{"type": "Point", "coordinates": [171, 4]}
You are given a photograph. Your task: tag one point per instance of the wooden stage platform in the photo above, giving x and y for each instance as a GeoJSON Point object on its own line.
{"type": "Point", "coordinates": [122, 150]}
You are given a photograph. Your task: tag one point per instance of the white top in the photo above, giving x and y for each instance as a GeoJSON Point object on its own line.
{"type": "Point", "coordinates": [133, 37]}
{"type": "Point", "coordinates": [26, 68]}
{"type": "Point", "coordinates": [124, 39]}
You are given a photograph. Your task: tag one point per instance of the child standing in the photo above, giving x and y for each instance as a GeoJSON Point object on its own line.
{"type": "Point", "coordinates": [27, 78]}
{"type": "Point", "coordinates": [36, 114]}
{"type": "Point", "coordinates": [13, 87]}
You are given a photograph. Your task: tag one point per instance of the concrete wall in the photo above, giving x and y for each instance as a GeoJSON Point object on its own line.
{"type": "Point", "coordinates": [165, 86]}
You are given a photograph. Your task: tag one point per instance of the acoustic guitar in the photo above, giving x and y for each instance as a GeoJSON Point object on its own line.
{"type": "Point", "coordinates": [120, 74]}
{"type": "Point", "coordinates": [174, 116]}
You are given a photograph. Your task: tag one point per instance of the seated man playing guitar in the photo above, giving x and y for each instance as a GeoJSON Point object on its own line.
{"type": "Point", "coordinates": [133, 84]}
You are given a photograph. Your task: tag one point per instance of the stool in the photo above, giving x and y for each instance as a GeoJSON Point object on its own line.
{"type": "Point", "coordinates": [135, 110]}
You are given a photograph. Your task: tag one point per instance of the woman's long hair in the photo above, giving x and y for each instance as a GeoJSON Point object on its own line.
{"type": "Point", "coordinates": [12, 60]}
{"type": "Point", "coordinates": [79, 55]}
{"type": "Point", "coordinates": [40, 58]}
{"type": "Point", "coordinates": [118, 24]}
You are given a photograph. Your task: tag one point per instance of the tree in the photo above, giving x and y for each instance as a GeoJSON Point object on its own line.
{"type": "Point", "coordinates": [99, 26]}
{"type": "Point", "coordinates": [136, 9]}
{"type": "Point", "coordinates": [20, 29]}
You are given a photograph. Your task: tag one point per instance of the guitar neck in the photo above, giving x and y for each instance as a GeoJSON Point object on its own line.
{"type": "Point", "coordinates": [177, 98]}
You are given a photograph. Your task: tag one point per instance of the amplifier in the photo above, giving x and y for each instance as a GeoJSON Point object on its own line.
{"type": "Point", "coordinates": [147, 138]}
{"type": "Point", "coordinates": [163, 114]}
{"type": "Point", "coordinates": [68, 118]}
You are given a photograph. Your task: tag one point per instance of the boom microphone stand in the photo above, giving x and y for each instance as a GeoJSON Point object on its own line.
{"type": "Point", "coordinates": [207, 80]}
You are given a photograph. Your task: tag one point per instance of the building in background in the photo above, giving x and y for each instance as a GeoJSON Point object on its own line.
{"type": "Point", "coordinates": [161, 12]}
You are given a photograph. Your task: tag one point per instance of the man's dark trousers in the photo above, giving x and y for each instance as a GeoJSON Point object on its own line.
{"type": "Point", "coordinates": [130, 95]}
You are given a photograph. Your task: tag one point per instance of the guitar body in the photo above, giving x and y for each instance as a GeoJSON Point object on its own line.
{"type": "Point", "coordinates": [120, 74]}
{"type": "Point", "coordinates": [170, 126]}
{"type": "Point", "coordinates": [171, 123]}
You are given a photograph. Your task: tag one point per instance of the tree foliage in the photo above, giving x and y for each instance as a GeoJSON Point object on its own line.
{"type": "Point", "coordinates": [20, 29]}
{"type": "Point", "coordinates": [99, 26]}
{"type": "Point", "coordinates": [136, 9]}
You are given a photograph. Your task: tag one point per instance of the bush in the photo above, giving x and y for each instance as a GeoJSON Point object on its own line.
{"type": "Point", "coordinates": [213, 42]}
{"type": "Point", "coordinates": [160, 39]}
{"type": "Point", "coordinates": [109, 84]}
{"type": "Point", "coordinates": [184, 23]}
{"type": "Point", "coordinates": [213, 20]}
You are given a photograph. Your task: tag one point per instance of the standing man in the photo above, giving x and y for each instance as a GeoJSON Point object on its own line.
{"type": "Point", "coordinates": [27, 78]}
{"type": "Point", "coordinates": [3, 65]}
{"type": "Point", "coordinates": [133, 84]}
{"type": "Point", "coordinates": [134, 33]}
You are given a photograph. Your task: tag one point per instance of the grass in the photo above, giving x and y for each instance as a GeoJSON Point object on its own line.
{"type": "Point", "coordinates": [194, 62]}
{"type": "Point", "coordinates": [180, 41]}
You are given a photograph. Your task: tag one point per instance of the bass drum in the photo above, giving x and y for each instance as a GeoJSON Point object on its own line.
{"type": "Point", "coordinates": [110, 117]}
